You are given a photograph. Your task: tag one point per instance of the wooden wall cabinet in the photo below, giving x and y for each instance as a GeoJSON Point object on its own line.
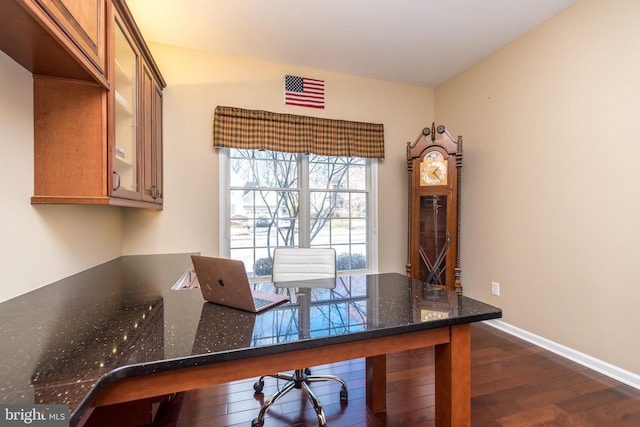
{"type": "Point", "coordinates": [62, 38]}
{"type": "Point", "coordinates": [97, 101]}
{"type": "Point", "coordinates": [136, 112]}
{"type": "Point", "coordinates": [152, 185]}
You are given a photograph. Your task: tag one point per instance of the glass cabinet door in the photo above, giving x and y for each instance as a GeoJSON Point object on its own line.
{"type": "Point", "coordinates": [125, 174]}
{"type": "Point", "coordinates": [433, 239]}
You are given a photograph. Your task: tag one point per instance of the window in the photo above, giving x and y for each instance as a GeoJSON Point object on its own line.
{"type": "Point", "coordinates": [273, 199]}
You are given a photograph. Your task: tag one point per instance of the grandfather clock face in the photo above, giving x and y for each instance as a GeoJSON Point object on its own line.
{"type": "Point", "coordinates": [433, 169]}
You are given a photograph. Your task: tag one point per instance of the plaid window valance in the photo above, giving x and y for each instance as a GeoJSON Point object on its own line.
{"type": "Point", "coordinates": [264, 130]}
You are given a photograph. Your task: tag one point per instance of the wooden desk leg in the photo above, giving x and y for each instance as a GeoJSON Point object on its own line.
{"type": "Point", "coordinates": [453, 379]}
{"type": "Point", "coordinates": [376, 390]}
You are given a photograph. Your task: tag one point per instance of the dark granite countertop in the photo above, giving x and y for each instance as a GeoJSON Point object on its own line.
{"type": "Point", "coordinates": [63, 342]}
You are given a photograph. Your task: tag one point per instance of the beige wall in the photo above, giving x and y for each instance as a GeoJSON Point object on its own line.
{"type": "Point", "coordinates": [40, 244]}
{"type": "Point", "coordinates": [551, 204]}
{"type": "Point", "coordinates": [198, 81]}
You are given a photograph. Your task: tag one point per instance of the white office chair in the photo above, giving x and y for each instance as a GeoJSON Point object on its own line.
{"type": "Point", "coordinates": [290, 264]}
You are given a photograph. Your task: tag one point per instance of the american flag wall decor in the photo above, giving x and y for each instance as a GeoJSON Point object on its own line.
{"type": "Point", "coordinates": [303, 92]}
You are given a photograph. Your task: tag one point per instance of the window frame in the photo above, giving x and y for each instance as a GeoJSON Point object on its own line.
{"type": "Point", "coordinates": [224, 207]}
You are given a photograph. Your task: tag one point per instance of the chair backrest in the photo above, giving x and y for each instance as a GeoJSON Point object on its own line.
{"type": "Point", "coordinates": [303, 263]}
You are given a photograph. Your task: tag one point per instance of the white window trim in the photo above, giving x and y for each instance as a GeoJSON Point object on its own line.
{"type": "Point", "coordinates": [224, 202]}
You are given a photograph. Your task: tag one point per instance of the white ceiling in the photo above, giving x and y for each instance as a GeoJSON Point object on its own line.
{"type": "Point", "coordinates": [422, 42]}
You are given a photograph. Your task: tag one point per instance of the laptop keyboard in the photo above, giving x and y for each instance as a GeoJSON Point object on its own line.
{"type": "Point", "coordinates": [260, 302]}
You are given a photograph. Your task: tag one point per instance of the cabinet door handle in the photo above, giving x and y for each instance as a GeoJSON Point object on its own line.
{"type": "Point", "coordinates": [156, 192]}
{"type": "Point", "coordinates": [116, 185]}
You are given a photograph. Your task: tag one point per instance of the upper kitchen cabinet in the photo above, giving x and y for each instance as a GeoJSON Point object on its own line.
{"type": "Point", "coordinates": [151, 138]}
{"type": "Point", "coordinates": [62, 38]}
{"type": "Point", "coordinates": [137, 116]}
{"type": "Point", "coordinates": [94, 145]}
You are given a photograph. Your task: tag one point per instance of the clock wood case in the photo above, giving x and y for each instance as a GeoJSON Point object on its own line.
{"type": "Point", "coordinates": [434, 163]}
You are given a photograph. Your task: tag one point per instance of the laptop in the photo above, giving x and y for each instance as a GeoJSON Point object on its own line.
{"type": "Point", "coordinates": [224, 281]}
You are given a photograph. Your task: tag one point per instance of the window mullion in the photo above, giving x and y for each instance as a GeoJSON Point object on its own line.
{"type": "Point", "coordinates": [304, 209]}
{"type": "Point", "coordinates": [224, 205]}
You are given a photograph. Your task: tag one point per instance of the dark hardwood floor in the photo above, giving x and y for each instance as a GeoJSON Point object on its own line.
{"type": "Point", "coordinates": [514, 383]}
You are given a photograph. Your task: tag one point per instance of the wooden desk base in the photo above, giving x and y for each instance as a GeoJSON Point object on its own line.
{"type": "Point", "coordinates": [452, 372]}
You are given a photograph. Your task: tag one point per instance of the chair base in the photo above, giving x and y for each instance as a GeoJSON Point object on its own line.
{"type": "Point", "coordinates": [300, 379]}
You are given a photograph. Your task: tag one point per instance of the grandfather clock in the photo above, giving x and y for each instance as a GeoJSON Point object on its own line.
{"type": "Point", "coordinates": [434, 162]}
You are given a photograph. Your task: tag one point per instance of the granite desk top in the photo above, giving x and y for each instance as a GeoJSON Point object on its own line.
{"type": "Point", "coordinates": [63, 342]}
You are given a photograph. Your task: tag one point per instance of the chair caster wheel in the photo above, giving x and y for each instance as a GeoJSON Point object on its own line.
{"type": "Point", "coordinates": [257, 387]}
{"type": "Point", "coordinates": [257, 423]}
{"type": "Point", "coordinates": [344, 395]}
{"type": "Point", "coordinates": [307, 371]}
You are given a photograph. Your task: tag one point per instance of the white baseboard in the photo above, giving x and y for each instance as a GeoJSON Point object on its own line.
{"type": "Point", "coordinates": [618, 374]}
